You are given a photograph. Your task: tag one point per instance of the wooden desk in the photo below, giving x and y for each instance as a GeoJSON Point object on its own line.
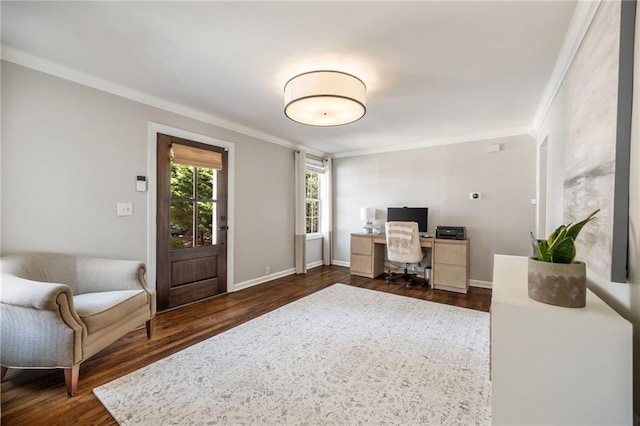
{"type": "Point", "coordinates": [426, 242]}
{"type": "Point", "coordinates": [449, 259]}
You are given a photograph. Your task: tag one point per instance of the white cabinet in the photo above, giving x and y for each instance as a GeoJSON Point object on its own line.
{"type": "Point", "coordinates": [553, 365]}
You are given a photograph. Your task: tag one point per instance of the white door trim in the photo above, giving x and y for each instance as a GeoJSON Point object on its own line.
{"type": "Point", "coordinates": [152, 150]}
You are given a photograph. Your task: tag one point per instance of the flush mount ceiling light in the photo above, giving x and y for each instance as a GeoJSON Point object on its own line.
{"type": "Point", "coordinates": [324, 98]}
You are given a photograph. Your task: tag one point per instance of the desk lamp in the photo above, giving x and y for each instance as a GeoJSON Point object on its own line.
{"type": "Point", "coordinates": [368, 215]}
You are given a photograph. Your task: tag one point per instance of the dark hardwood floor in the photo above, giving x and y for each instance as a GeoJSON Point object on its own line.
{"type": "Point", "coordinates": [35, 397]}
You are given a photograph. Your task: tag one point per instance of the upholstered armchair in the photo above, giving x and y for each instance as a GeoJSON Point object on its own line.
{"type": "Point", "coordinates": [57, 310]}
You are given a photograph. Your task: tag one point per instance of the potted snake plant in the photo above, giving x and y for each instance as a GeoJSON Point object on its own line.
{"type": "Point", "coordinates": [554, 276]}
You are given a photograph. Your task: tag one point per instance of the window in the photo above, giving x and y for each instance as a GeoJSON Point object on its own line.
{"type": "Point", "coordinates": [312, 191]}
{"type": "Point", "coordinates": [193, 199]}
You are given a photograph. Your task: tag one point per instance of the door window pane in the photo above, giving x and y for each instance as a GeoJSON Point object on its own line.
{"type": "Point", "coordinates": [181, 224]}
{"type": "Point", "coordinates": [205, 184]}
{"type": "Point", "coordinates": [214, 223]}
{"type": "Point", "coordinates": [181, 181]}
{"type": "Point", "coordinates": [206, 228]}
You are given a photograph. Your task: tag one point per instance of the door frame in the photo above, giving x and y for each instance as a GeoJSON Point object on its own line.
{"type": "Point", "coordinates": [153, 129]}
{"type": "Point", "coordinates": [542, 188]}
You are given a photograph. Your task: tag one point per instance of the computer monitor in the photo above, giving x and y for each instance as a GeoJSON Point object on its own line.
{"type": "Point", "coordinates": [409, 214]}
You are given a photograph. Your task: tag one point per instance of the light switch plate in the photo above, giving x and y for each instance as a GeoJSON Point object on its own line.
{"type": "Point", "coordinates": [125, 209]}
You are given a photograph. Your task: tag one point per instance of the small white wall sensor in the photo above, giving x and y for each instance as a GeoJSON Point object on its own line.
{"type": "Point", "coordinates": [141, 183]}
{"type": "Point", "coordinates": [475, 195]}
{"type": "Point", "coordinates": [492, 149]}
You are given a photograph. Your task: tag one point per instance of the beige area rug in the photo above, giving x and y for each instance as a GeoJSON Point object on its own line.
{"type": "Point", "coordinates": [341, 356]}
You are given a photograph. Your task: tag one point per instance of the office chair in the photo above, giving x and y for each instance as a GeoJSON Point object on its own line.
{"type": "Point", "coordinates": [403, 246]}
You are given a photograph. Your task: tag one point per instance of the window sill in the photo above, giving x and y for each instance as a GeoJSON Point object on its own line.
{"type": "Point", "coordinates": [314, 236]}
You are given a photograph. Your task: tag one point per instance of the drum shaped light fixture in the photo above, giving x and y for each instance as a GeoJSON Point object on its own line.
{"type": "Point", "coordinates": [324, 98]}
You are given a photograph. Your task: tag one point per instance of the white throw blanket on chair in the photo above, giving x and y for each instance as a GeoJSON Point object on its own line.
{"type": "Point", "coordinates": [399, 236]}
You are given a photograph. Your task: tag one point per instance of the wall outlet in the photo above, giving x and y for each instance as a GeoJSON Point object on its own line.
{"type": "Point", "coordinates": [125, 209]}
{"type": "Point", "coordinates": [267, 270]}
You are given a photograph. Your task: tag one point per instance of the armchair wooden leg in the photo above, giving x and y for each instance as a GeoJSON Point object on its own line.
{"type": "Point", "coordinates": [4, 371]}
{"type": "Point", "coordinates": [71, 378]}
{"type": "Point", "coordinates": [151, 324]}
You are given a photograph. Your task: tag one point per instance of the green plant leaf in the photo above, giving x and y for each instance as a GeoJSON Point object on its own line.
{"type": "Point", "coordinates": [536, 247]}
{"type": "Point", "coordinates": [554, 239]}
{"type": "Point", "coordinates": [554, 234]}
{"type": "Point", "coordinates": [564, 252]}
{"type": "Point", "coordinates": [544, 251]}
{"type": "Point", "coordinates": [540, 249]}
{"type": "Point", "coordinates": [574, 230]}
{"type": "Point", "coordinates": [558, 235]}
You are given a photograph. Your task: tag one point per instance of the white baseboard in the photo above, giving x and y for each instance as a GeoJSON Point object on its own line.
{"type": "Point", "coordinates": [314, 264]}
{"type": "Point", "coordinates": [472, 283]}
{"type": "Point", "coordinates": [264, 279]}
{"type": "Point", "coordinates": [481, 284]}
{"type": "Point", "coordinates": [286, 272]}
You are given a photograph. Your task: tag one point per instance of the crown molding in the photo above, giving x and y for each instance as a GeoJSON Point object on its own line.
{"type": "Point", "coordinates": [503, 133]}
{"type": "Point", "coordinates": [580, 23]}
{"type": "Point", "coordinates": [37, 63]}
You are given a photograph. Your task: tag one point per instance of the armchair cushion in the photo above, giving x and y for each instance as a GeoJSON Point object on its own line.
{"type": "Point", "coordinates": [100, 310]}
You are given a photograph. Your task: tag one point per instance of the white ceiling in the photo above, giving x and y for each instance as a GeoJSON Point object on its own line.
{"type": "Point", "coordinates": [435, 71]}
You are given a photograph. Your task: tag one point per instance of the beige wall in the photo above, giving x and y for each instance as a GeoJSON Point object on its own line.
{"type": "Point", "coordinates": [441, 179]}
{"type": "Point", "coordinates": [70, 153]}
{"type": "Point", "coordinates": [623, 297]}
{"type": "Point", "coordinates": [314, 251]}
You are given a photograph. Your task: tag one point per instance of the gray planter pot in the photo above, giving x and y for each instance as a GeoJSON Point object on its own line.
{"type": "Point", "coordinates": [559, 284]}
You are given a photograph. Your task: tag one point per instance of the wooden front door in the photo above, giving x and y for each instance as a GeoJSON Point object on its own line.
{"type": "Point", "coordinates": [191, 221]}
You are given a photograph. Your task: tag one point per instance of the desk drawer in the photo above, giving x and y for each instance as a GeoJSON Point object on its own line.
{"type": "Point", "coordinates": [451, 252]}
{"type": "Point", "coordinates": [450, 275]}
{"type": "Point", "coordinates": [361, 265]}
{"type": "Point", "coordinates": [361, 245]}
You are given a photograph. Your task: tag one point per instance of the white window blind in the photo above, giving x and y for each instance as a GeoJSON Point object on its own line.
{"type": "Point", "coordinates": [314, 165]}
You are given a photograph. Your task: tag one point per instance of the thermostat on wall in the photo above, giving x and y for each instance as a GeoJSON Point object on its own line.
{"type": "Point", "coordinates": [141, 183]}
